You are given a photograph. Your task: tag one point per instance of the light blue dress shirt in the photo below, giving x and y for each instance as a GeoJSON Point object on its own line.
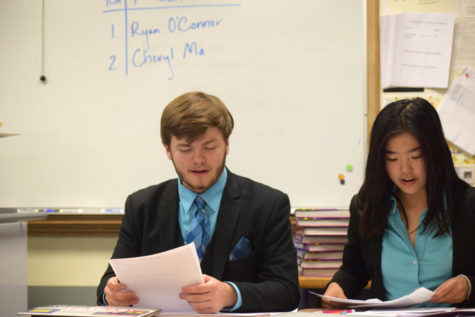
{"type": "Point", "coordinates": [212, 196]}
{"type": "Point", "coordinates": [406, 268]}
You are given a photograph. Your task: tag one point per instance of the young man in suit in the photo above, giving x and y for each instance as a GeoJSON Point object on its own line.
{"type": "Point", "coordinates": [244, 238]}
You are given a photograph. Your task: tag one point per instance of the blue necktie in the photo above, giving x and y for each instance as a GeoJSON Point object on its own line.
{"type": "Point", "coordinates": [199, 228]}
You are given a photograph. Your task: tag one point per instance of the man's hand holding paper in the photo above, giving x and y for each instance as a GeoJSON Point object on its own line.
{"type": "Point", "coordinates": [156, 280]}
{"type": "Point", "coordinates": [210, 296]}
{"type": "Point", "coordinates": [117, 294]}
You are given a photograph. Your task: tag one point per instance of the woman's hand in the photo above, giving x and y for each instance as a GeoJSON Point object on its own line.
{"type": "Point", "coordinates": [452, 291]}
{"type": "Point", "coordinates": [333, 290]}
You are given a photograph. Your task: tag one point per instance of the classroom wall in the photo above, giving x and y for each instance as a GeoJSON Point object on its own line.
{"type": "Point", "coordinates": [66, 270]}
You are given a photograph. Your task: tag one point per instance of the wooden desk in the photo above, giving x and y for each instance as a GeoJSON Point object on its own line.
{"type": "Point", "coordinates": [313, 282]}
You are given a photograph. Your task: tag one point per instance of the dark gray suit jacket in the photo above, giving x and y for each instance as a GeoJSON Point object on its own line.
{"type": "Point", "coordinates": [267, 279]}
{"type": "Point", "coordinates": [362, 257]}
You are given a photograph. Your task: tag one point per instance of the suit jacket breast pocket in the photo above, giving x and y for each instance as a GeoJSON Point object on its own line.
{"type": "Point", "coordinates": [243, 270]}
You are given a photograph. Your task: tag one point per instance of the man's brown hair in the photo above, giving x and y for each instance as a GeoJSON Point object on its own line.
{"type": "Point", "coordinates": [191, 114]}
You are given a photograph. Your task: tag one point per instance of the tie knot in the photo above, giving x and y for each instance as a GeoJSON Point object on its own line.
{"type": "Point", "coordinates": [199, 202]}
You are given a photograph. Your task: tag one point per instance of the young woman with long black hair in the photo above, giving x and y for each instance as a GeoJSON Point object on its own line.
{"type": "Point", "coordinates": [412, 223]}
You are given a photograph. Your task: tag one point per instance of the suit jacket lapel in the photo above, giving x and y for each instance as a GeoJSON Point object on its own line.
{"type": "Point", "coordinates": [229, 211]}
{"type": "Point", "coordinates": [169, 229]}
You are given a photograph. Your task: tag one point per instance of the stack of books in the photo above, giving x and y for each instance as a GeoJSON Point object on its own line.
{"type": "Point", "coordinates": [320, 237]}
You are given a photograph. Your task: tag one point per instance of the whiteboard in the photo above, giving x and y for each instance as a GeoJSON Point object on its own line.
{"type": "Point", "coordinates": [292, 74]}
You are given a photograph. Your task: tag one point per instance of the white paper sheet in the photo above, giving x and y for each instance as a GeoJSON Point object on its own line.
{"type": "Point", "coordinates": [457, 112]}
{"type": "Point", "coordinates": [416, 49]}
{"type": "Point", "coordinates": [157, 279]}
{"type": "Point", "coordinates": [404, 311]}
{"type": "Point", "coordinates": [463, 52]}
{"type": "Point", "coordinates": [420, 295]}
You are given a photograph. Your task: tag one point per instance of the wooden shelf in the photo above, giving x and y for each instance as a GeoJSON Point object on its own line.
{"type": "Point", "coordinates": [83, 225]}
{"type": "Point", "coordinates": [76, 225]}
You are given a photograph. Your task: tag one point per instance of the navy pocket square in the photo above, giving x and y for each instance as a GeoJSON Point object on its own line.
{"type": "Point", "coordinates": [241, 250]}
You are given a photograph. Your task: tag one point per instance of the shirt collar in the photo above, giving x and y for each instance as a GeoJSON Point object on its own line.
{"type": "Point", "coordinates": [212, 196]}
{"type": "Point", "coordinates": [394, 209]}
{"type": "Point", "coordinates": [393, 206]}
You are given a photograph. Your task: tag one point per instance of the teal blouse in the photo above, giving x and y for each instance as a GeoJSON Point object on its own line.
{"type": "Point", "coordinates": [406, 268]}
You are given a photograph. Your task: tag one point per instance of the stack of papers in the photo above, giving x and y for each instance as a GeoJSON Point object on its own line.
{"type": "Point", "coordinates": [157, 279]}
{"type": "Point", "coordinates": [420, 295]}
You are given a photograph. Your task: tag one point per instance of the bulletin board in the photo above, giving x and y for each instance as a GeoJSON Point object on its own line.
{"type": "Point", "coordinates": [462, 59]}
{"type": "Point", "coordinates": [292, 73]}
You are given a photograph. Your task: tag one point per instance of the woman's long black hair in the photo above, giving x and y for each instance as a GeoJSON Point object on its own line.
{"type": "Point", "coordinates": [418, 117]}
